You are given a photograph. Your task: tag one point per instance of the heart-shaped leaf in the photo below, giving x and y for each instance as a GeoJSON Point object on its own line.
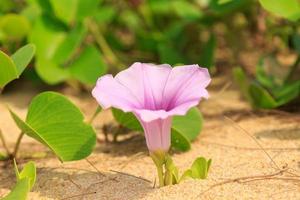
{"type": "Point", "coordinates": [22, 57]}
{"type": "Point", "coordinates": [57, 123]}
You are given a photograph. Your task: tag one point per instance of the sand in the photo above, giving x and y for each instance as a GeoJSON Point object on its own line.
{"type": "Point", "coordinates": [125, 171]}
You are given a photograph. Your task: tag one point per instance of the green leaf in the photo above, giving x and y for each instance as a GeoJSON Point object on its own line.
{"type": "Point", "coordinates": [189, 125]}
{"type": "Point", "coordinates": [186, 10]}
{"type": "Point", "coordinates": [28, 171]}
{"type": "Point", "coordinates": [287, 93]}
{"type": "Point", "coordinates": [20, 191]}
{"type": "Point", "coordinates": [65, 9]}
{"type": "Point", "coordinates": [179, 141]}
{"type": "Point", "coordinates": [207, 58]}
{"type": "Point", "coordinates": [261, 98]}
{"type": "Point", "coordinates": [169, 54]}
{"type": "Point", "coordinates": [289, 9]}
{"type": "Point", "coordinates": [86, 8]}
{"type": "Point", "coordinates": [105, 14]}
{"type": "Point", "coordinates": [47, 36]}
{"type": "Point", "coordinates": [69, 44]}
{"type": "Point", "coordinates": [57, 123]}
{"type": "Point", "coordinates": [242, 81]}
{"type": "Point", "coordinates": [25, 181]}
{"type": "Point", "coordinates": [22, 57]}
{"type": "Point", "coordinates": [8, 71]}
{"type": "Point", "coordinates": [89, 66]}
{"type": "Point", "coordinates": [198, 170]}
{"type": "Point", "coordinates": [296, 42]}
{"type": "Point", "coordinates": [128, 120]}
{"type": "Point", "coordinates": [14, 27]}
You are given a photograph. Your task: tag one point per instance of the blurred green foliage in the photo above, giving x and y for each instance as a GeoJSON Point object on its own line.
{"type": "Point", "coordinates": [80, 40]}
{"type": "Point", "coordinates": [274, 85]}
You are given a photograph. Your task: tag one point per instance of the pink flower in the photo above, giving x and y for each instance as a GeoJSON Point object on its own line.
{"type": "Point", "coordinates": [154, 93]}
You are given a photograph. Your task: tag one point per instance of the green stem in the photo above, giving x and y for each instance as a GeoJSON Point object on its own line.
{"type": "Point", "coordinates": [160, 174]}
{"type": "Point", "coordinates": [109, 54]}
{"type": "Point", "coordinates": [97, 111]}
{"type": "Point", "coordinates": [159, 160]}
{"type": "Point", "coordinates": [4, 143]}
{"type": "Point", "coordinates": [14, 154]}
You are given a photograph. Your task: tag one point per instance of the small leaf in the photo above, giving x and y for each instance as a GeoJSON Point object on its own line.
{"type": "Point", "coordinates": [287, 93]}
{"type": "Point", "coordinates": [25, 181]}
{"type": "Point", "coordinates": [261, 98]}
{"type": "Point", "coordinates": [28, 171]}
{"type": "Point", "coordinates": [89, 66]}
{"type": "Point", "coordinates": [242, 81]}
{"type": "Point", "coordinates": [8, 71]}
{"type": "Point", "coordinates": [57, 123]}
{"type": "Point", "coordinates": [22, 57]}
{"type": "Point", "coordinates": [127, 119]}
{"type": "Point", "coordinates": [20, 191]}
{"type": "Point", "coordinates": [200, 168]}
{"type": "Point", "coordinates": [289, 9]}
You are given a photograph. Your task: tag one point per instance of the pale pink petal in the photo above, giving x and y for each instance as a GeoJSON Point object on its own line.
{"type": "Point", "coordinates": [146, 82]}
{"type": "Point", "coordinates": [185, 84]}
{"type": "Point", "coordinates": [158, 134]}
{"type": "Point", "coordinates": [110, 93]}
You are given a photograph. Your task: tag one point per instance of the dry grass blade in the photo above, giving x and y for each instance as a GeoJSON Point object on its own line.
{"type": "Point", "coordinates": [247, 133]}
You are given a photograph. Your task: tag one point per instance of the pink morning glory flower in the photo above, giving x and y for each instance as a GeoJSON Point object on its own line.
{"type": "Point", "coordinates": [154, 93]}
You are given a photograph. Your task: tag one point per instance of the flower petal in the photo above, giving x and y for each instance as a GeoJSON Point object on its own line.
{"type": "Point", "coordinates": [186, 84]}
{"type": "Point", "coordinates": [158, 134]}
{"type": "Point", "coordinates": [110, 93]}
{"type": "Point", "coordinates": [146, 82]}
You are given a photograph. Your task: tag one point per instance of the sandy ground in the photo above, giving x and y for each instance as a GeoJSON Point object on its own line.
{"type": "Point", "coordinates": [124, 171]}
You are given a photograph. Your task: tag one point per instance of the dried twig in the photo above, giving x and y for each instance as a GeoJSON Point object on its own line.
{"type": "Point", "coordinates": [79, 195]}
{"type": "Point", "coordinates": [95, 167]}
{"type": "Point", "coordinates": [251, 136]}
{"type": "Point", "coordinates": [246, 178]}
{"type": "Point", "coordinates": [250, 148]}
{"type": "Point", "coordinates": [130, 175]}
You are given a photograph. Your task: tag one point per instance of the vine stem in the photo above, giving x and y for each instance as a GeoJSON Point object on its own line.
{"type": "Point", "coordinates": [107, 51]}
{"type": "Point", "coordinates": [4, 143]}
{"type": "Point", "coordinates": [14, 154]}
{"type": "Point", "coordinates": [97, 111]}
